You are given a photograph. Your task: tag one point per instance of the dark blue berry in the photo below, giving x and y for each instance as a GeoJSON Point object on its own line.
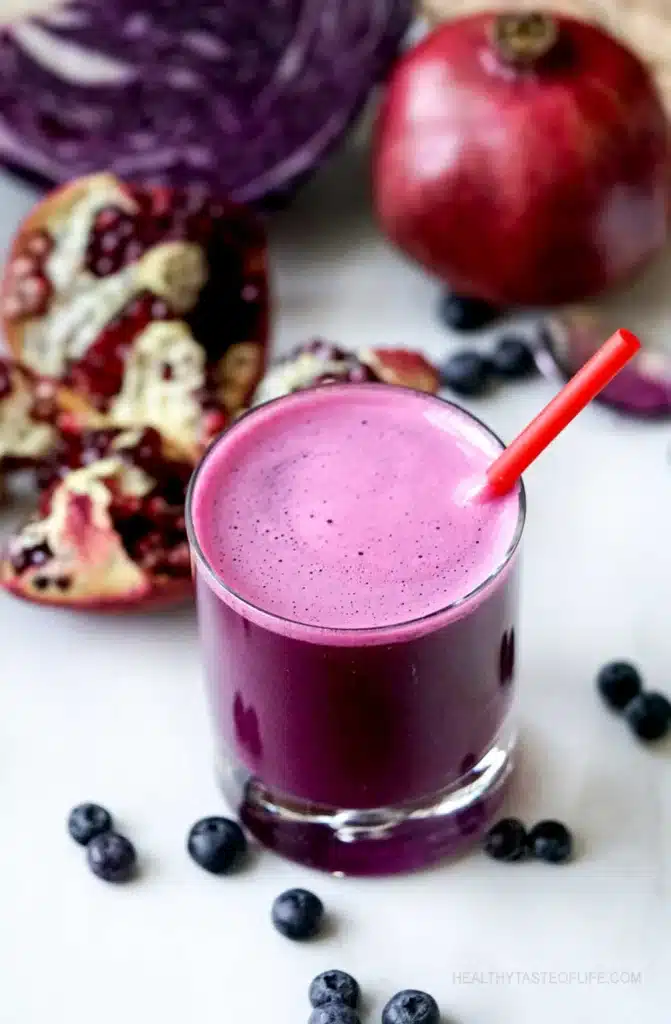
{"type": "Point", "coordinates": [297, 914]}
{"type": "Point", "coordinates": [334, 1013]}
{"type": "Point", "coordinates": [512, 358]}
{"type": "Point", "coordinates": [334, 987]}
{"type": "Point", "coordinates": [88, 820]}
{"type": "Point", "coordinates": [111, 857]}
{"type": "Point", "coordinates": [618, 683]}
{"type": "Point", "coordinates": [507, 840]}
{"type": "Point", "coordinates": [461, 313]}
{"type": "Point", "coordinates": [411, 1007]}
{"type": "Point", "coordinates": [216, 844]}
{"type": "Point", "coordinates": [551, 841]}
{"type": "Point", "coordinates": [649, 716]}
{"type": "Point", "coordinates": [467, 373]}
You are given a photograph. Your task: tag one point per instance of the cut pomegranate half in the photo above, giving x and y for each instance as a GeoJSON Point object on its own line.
{"type": "Point", "coordinates": [141, 301]}
{"type": "Point", "coordinates": [642, 389]}
{"type": "Point", "coordinates": [110, 531]}
{"type": "Point", "coordinates": [319, 362]}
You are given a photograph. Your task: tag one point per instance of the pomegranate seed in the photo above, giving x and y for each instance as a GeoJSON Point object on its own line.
{"type": "Point", "coordinates": [38, 243]}
{"type": "Point", "coordinates": [127, 505]}
{"type": "Point", "coordinates": [109, 217]}
{"type": "Point", "coordinates": [167, 372]}
{"type": "Point", "coordinates": [29, 557]}
{"type": "Point", "coordinates": [24, 265]}
{"type": "Point", "coordinates": [158, 509]}
{"type": "Point", "coordinates": [150, 560]}
{"type": "Point", "coordinates": [133, 252]}
{"type": "Point", "coordinates": [163, 201]}
{"type": "Point", "coordinates": [43, 409]}
{"type": "Point", "coordinates": [159, 310]}
{"type": "Point", "coordinates": [109, 242]}
{"type": "Point", "coordinates": [33, 293]}
{"type": "Point", "coordinates": [180, 558]}
{"type": "Point", "coordinates": [103, 266]}
{"type": "Point", "coordinates": [12, 308]}
{"type": "Point", "coordinates": [214, 421]}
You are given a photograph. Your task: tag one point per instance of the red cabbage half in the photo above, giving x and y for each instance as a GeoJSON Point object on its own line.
{"type": "Point", "coordinates": [245, 96]}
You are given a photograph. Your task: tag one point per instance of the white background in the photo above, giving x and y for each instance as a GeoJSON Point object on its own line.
{"type": "Point", "coordinates": [111, 709]}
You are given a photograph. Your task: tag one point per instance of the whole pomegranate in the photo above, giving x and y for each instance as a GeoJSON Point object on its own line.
{"type": "Point", "coordinates": [523, 158]}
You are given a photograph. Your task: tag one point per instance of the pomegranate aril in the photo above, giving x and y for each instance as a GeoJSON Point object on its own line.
{"type": "Point", "coordinates": [179, 559]}
{"type": "Point", "coordinates": [108, 217]}
{"type": "Point", "coordinates": [109, 243]}
{"type": "Point", "coordinates": [12, 308]}
{"type": "Point", "coordinates": [159, 310]}
{"type": "Point", "coordinates": [38, 243]}
{"type": "Point", "coordinates": [32, 295]}
{"type": "Point", "coordinates": [22, 266]}
{"type": "Point", "coordinates": [133, 252]}
{"type": "Point", "coordinates": [29, 558]}
{"type": "Point", "coordinates": [104, 266]}
{"type": "Point", "coordinates": [126, 505]}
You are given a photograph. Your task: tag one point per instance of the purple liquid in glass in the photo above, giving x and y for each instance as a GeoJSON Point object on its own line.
{"type": "Point", "coordinates": [357, 617]}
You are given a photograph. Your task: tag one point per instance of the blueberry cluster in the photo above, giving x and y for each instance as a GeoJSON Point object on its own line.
{"type": "Point", "coordinates": [509, 840]}
{"type": "Point", "coordinates": [647, 714]}
{"type": "Point", "coordinates": [471, 373]}
{"type": "Point", "coordinates": [334, 997]}
{"type": "Point", "coordinates": [110, 855]}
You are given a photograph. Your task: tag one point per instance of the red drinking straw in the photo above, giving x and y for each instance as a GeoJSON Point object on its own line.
{"type": "Point", "coordinates": [606, 362]}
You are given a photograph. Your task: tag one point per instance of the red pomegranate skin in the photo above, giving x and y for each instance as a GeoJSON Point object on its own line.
{"type": "Point", "coordinates": [535, 186]}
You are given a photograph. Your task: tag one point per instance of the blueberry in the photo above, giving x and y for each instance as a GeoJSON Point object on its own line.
{"type": "Point", "coordinates": [649, 716]}
{"type": "Point", "coordinates": [216, 844]}
{"type": "Point", "coordinates": [551, 841]}
{"type": "Point", "coordinates": [507, 840]}
{"type": "Point", "coordinates": [334, 1013]}
{"type": "Point", "coordinates": [618, 683]}
{"type": "Point", "coordinates": [334, 987]}
{"type": "Point", "coordinates": [462, 313]}
{"type": "Point", "coordinates": [111, 857]}
{"type": "Point", "coordinates": [467, 373]}
{"type": "Point", "coordinates": [88, 820]}
{"type": "Point", "coordinates": [297, 914]}
{"type": "Point", "coordinates": [513, 358]}
{"type": "Point", "coordinates": [411, 1007]}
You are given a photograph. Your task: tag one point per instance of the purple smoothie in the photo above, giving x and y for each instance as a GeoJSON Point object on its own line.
{"type": "Point", "coordinates": [356, 610]}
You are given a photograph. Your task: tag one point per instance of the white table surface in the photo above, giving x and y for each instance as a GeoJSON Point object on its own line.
{"type": "Point", "coordinates": [111, 709]}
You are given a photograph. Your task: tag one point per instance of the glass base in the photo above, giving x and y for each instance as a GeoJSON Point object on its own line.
{"type": "Point", "coordinates": [384, 841]}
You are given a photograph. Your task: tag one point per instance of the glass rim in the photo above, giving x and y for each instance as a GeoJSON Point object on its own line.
{"type": "Point", "coordinates": [261, 613]}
